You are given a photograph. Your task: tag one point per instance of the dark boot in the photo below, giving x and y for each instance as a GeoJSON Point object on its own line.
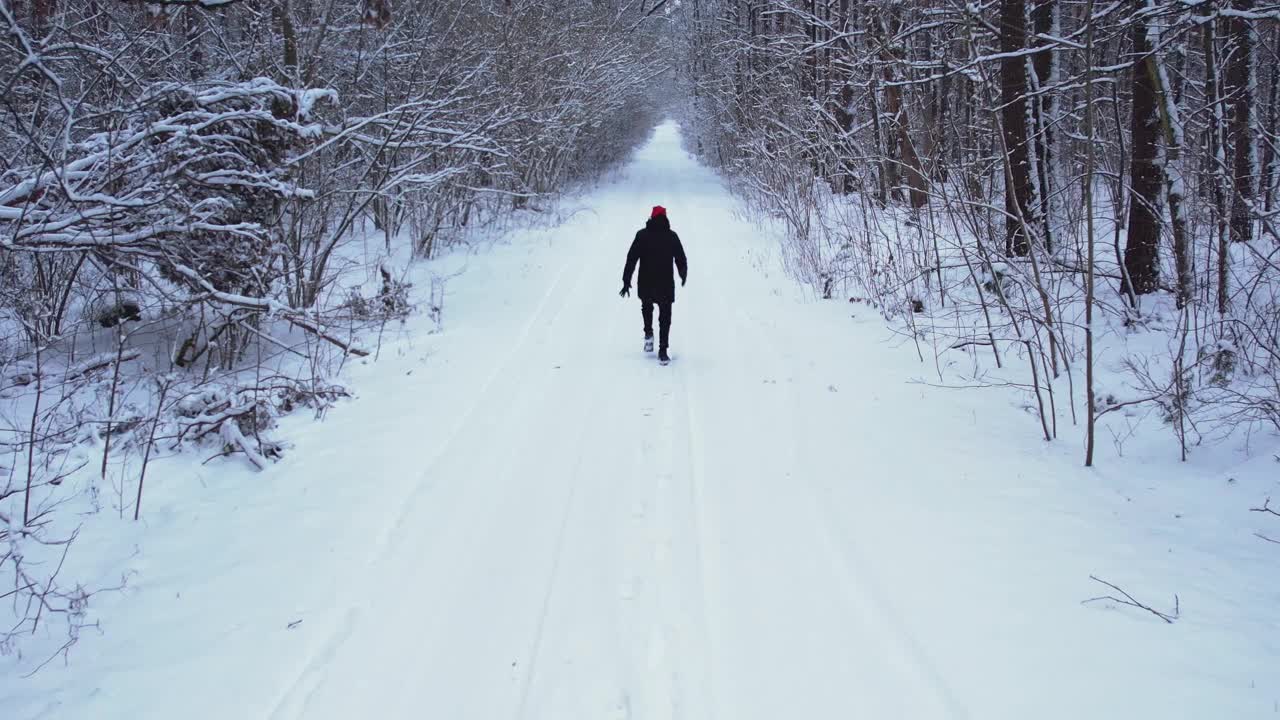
{"type": "Point", "coordinates": [662, 356]}
{"type": "Point", "coordinates": [648, 343]}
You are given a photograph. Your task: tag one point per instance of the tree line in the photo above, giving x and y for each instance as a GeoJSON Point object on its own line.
{"type": "Point", "coordinates": [204, 202]}
{"type": "Point", "coordinates": [222, 150]}
{"type": "Point", "coordinates": [1051, 171]}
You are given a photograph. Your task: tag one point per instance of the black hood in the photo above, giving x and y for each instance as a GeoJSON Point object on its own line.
{"type": "Point", "coordinates": [660, 223]}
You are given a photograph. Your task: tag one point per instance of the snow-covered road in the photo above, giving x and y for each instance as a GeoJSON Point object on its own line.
{"type": "Point", "coordinates": [531, 519]}
{"type": "Point", "coordinates": [603, 537]}
{"type": "Point", "coordinates": [778, 525]}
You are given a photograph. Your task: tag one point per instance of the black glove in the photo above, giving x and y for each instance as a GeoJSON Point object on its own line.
{"type": "Point", "coordinates": [625, 291]}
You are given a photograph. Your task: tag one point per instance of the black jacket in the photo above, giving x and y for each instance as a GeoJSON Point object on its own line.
{"type": "Point", "coordinates": [656, 247]}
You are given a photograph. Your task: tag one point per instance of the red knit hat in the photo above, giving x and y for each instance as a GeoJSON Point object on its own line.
{"type": "Point", "coordinates": [658, 210]}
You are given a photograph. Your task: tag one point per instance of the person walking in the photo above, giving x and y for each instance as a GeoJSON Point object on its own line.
{"type": "Point", "coordinates": [656, 247]}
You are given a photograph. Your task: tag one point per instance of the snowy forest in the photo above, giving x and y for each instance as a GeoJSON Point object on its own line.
{"type": "Point", "coordinates": [1025, 173]}
{"type": "Point", "coordinates": [187, 188]}
{"type": "Point", "coordinates": [209, 208]}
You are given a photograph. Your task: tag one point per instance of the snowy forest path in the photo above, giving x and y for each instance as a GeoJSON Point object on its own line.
{"type": "Point", "coordinates": [600, 536]}
{"type": "Point", "coordinates": [779, 524]}
{"type": "Point", "coordinates": [526, 517]}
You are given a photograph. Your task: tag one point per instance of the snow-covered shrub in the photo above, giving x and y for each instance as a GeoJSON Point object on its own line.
{"type": "Point", "coordinates": [191, 183]}
{"type": "Point", "coordinates": [391, 302]}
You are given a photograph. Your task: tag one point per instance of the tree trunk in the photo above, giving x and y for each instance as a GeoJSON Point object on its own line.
{"type": "Point", "coordinates": [1171, 170]}
{"type": "Point", "coordinates": [811, 57]}
{"type": "Point", "coordinates": [284, 22]}
{"type": "Point", "coordinates": [899, 131]}
{"type": "Point", "coordinates": [1042, 107]}
{"type": "Point", "coordinates": [1142, 251]}
{"type": "Point", "coordinates": [1018, 201]}
{"type": "Point", "coordinates": [1266, 183]}
{"type": "Point", "coordinates": [42, 12]}
{"type": "Point", "coordinates": [1240, 93]}
{"type": "Point", "coordinates": [917, 189]}
{"type": "Point", "coordinates": [886, 163]}
{"type": "Point", "coordinates": [844, 99]}
{"type": "Point", "coordinates": [888, 112]}
{"type": "Point", "coordinates": [1217, 153]}
{"type": "Point", "coordinates": [1090, 397]}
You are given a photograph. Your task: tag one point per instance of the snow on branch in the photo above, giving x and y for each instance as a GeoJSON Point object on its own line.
{"type": "Point", "coordinates": [191, 168]}
{"type": "Point", "coordinates": [209, 4]}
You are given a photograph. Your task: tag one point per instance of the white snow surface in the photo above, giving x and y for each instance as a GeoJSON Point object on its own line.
{"type": "Point", "coordinates": [524, 516]}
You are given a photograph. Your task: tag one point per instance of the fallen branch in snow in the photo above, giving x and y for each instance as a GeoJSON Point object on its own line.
{"type": "Point", "coordinates": [1110, 407]}
{"type": "Point", "coordinates": [101, 360]}
{"type": "Point", "coordinates": [226, 424]}
{"type": "Point", "coordinates": [321, 333]}
{"type": "Point", "coordinates": [214, 419]}
{"type": "Point", "coordinates": [1131, 602]}
{"type": "Point", "coordinates": [238, 417]}
{"type": "Point", "coordinates": [235, 440]}
{"type": "Point", "coordinates": [1266, 508]}
{"type": "Point", "coordinates": [966, 343]}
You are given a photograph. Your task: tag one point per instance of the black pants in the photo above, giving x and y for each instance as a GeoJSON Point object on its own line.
{"type": "Point", "coordinates": [664, 320]}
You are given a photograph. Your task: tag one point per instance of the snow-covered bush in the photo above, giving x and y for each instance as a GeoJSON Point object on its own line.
{"type": "Point", "coordinates": [191, 184]}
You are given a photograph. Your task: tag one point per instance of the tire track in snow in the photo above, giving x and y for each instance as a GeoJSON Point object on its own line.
{"type": "Point", "coordinates": [533, 655]}
{"type": "Point", "coordinates": [703, 584]}
{"type": "Point", "coordinates": [644, 652]}
{"type": "Point", "coordinates": [679, 625]}
{"type": "Point", "coordinates": [588, 416]}
{"type": "Point", "coordinates": [698, 541]}
{"type": "Point", "coordinates": [858, 585]}
{"type": "Point", "coordinates": [486, 394]}
{"type": "Point", "coordinates": [663, 678]}
{"type": "Point", "coordinates": [635, 611]}
{"type": "Point", "coordinates": [494, 392]}
{"type": "Point", "coordinates": [297, 695]}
